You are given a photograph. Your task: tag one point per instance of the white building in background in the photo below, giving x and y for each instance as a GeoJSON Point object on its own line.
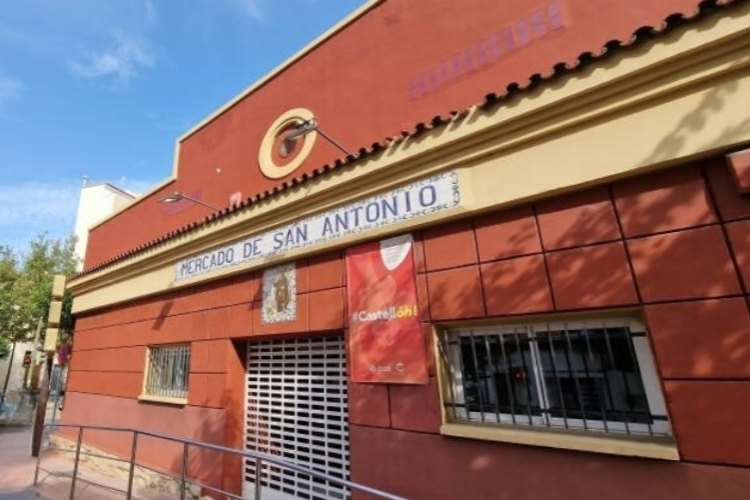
{"type": "Point", "coordinates": [97, 202]}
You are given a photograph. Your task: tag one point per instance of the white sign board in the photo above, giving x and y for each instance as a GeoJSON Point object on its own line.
{"type": "Point", "coordinates": [413, 201]}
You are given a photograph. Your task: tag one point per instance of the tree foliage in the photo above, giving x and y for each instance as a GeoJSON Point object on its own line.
{"type": "Point", "coordinates": [4, 348]}
{"type": "Point", "coordinates": [26, 285]}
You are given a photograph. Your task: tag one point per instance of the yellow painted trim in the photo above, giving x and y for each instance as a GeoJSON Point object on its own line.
{"type": "Point", "coordinates": [265, 154]}
{"type": "Point", "coordinates": [160, 399]}
{"type": "Point", "coordinates": [632, 313]}
{"type": "Point", "coordinates": [163, 400]}
{"type": "Point", "coordinates": [681, 96]}
{"type": "Point", "coordinates": [631, 447]}
{"type": "Point", "coordinates": [147, 354]}
{"type": "Point", "coordinates": [647, 447]}
{"type": "Point", "coordinates": [440, 369]}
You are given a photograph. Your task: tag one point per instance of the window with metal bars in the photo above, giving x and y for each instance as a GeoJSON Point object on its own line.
{"type": "Point", "coordinates": [167, 371]}
{"type": "Point", "coordinates": [578, 375]}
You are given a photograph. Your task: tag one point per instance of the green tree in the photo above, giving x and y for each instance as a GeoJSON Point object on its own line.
{"type": "Point", "coordinates": [8, 277]}
{"type": "Point", "coordinates": [26, 286]}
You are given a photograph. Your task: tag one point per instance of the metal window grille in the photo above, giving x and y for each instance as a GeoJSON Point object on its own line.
{"type": "Point", "coordinates": [593, 376]}
{"type": "Point", "coordinates": [168, 369]}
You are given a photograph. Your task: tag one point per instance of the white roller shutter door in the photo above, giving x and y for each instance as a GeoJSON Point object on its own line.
{"type": "Point", "coordinates": [296, 409]}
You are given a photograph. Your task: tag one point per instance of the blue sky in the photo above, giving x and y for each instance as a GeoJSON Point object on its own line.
{"type": "Point", "coordinates": [103, 88]}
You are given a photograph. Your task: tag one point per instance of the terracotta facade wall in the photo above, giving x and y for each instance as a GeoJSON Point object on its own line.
{"type": "Point", "coordinates": [402, 63]}
{"type": "Point", "coordinates": [190, 422]}
{"type": "Point", "coordinates": [674, 244]}
{"type": "Point", "coordinates": [428, 467]}
{"type": "Point", "coordinates": [107, 369]}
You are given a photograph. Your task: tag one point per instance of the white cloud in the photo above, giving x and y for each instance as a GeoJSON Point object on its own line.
{"type": "Point", "coordinates": [250, 8]}
{"type": "Point", "coordinates": [122, 59]}
{"type": "Point", "coordinates": [39, 205]}
{"type": "Point", "coordinates": [33, 208]}
{"type": "Point", "coordinates": [28, 210]}
{"type": "Point", "coordinates": [10, 89]}
{"type": "Point", "coordinates": [59, 28]}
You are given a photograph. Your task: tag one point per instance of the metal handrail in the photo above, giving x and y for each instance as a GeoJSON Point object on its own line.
{"type": "Point", "coordinates": [259, 458]}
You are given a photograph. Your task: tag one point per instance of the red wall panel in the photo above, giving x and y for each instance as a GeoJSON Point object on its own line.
{"type": "Point", "coordinates": [577, 219]}
{"type": "Point", "coordinates": [369, 405]}
{"type": "Point", "coordinates": [728, 203]}
{"type": "Point", "coordinates": [425, 466]}
{"type": "Point", "coordinates": [674, 199]}
{"type": "Point", "coordinates": [201, 424]}
{"type": "Point", "coordinates": [123, 359]}
{"type": "Point", "coordinates": [456, 294]}
{"type": "Point", "coordinates": [509, 233]}
{"type": "Point", "coordinates": [325, 272]}
{"type": "Point", "coordinates": [450, 245]}
{"type": "Point", "coordinates": [118, 384]}
{"type": "Point", "coordinates": [690, 264]}
{"type": "Point", "coordinates": [710, 420]}
{"type": "Point", "coordinates": [209, 356]}
{"type": "Point", "coordinates": [207, 389]}
{"type": "Point", "coordinates": [592, 276]}
{"type": "Point", "coordinates": [416, 407]}
{"type": "Point", "coordinates": [707, 339]}
{"type": "Point", "coordinates": [327, 310]}
{"type": "Point", "coordinates": [516, 286]}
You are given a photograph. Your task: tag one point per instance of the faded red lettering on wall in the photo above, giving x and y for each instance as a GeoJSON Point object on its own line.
{"type": "Point", "coordinates": [516, 35]}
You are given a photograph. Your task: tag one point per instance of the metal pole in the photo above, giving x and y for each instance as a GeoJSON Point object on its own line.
{"type": "Point", "coordinates": [7, 376]}
{"type": "Point", "coordinates": [41, 412]}
{"type": "Point", "coordinates": [330, 139]}
{"type": "Point", "coordinates": [184, 471]}
{"type": "Point", "coordinates": [132, 465]}
{"type": "Point", "coordinates": [57, 382]}
{"type": "Point", "coordinates": [36, 471]}
{"type": "Point", "coordinates": [258, 463]}
{"type": "Point", "coordinates": [75, 465]}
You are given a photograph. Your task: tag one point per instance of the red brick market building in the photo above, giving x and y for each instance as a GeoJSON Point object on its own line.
{"type": "Point", "coordinates": [526, 277]}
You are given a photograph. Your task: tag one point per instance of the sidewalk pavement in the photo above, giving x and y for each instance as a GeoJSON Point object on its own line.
{"type": "Point", "coordinates": [17, 474]}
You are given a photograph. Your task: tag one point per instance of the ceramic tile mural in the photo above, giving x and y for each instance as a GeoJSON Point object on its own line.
{"type": "Point", "coordinates": [280, 294]}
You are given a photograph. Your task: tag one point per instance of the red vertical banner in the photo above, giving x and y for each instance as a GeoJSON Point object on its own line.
{"type": "Point", "coordinates": [385, 335]}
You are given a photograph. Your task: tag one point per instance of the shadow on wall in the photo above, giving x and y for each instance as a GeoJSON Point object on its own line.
{"type": "Point", "coordinates": [201, 424]}
{"type": "Point", "coordinates": [216, 470]}
{"type": "Point", "coordinates": [428, 467]}
{"type": "Point", "coordinates": [163, 314]}
{"type": "Point", "coordinates": [698, 121]}
{"type": "Point", "coordinates": [206, 466]}
{"type": "Point", "coordinates": [653, 240]}
{"type": "Point", "coordinates": [660, 241]}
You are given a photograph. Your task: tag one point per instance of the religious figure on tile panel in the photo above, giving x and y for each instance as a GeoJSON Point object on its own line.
{"type": "Point", "coordinates": [280, 294]}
